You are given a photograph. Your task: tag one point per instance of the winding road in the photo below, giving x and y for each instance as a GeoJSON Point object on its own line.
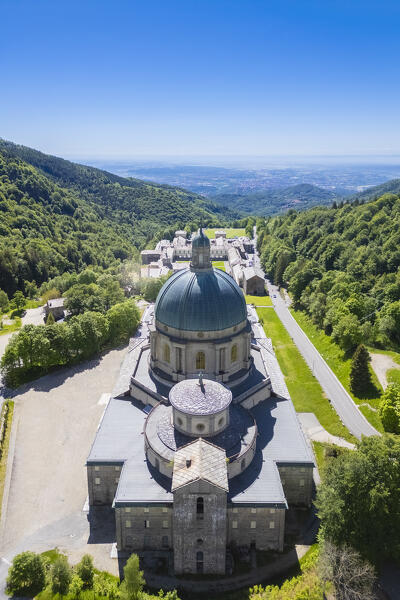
{"type": "Point", "coordinates": [342, 402]}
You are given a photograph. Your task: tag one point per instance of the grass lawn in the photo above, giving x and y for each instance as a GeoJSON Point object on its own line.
{"type": "Point", "coordinates": [10, 328]}
{"type": "Point", "coordinates": [340, 365]}
{"type": "Point", "coordinates": [4, 453]}
{"type": "Point", "coordinates": [230, 233]}
{"type": "Point", "coordinates": [218, 264]}
{"type": "Point", "coordinates": [304, 389]}
{"type": "Point", "coordinates": [259, 300]}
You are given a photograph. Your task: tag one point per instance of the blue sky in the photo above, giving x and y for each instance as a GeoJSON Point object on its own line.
{"type": "Point", "coordinates": [117, 78]}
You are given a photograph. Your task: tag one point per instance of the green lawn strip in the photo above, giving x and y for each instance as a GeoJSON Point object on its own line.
{"type": "Point", "coordinates": [230, 233]}
{"type": "Point", "coordinates": [5, 447]}
{"type": "Point", "coordinates": [259, 300]}
{"type": "Point", "coordinates": [393, 376]}
{"type": "Point", "coordinates": [304, 389]}
{"type": "Point", "coordinates": [340, 365]}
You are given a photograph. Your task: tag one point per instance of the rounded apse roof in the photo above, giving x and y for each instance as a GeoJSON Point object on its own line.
{"type": "Point", "coordinates": [191, 397]}
{"type": "Point", "coordinates": [207, 300]}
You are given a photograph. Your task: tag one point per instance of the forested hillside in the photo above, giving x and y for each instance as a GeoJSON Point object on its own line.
{"type": "Point", "coordinates": [375, 192]}
{"type": "Point", "coordinates": [275, 201]}
{"type": "Point", "coordinates": [341, 266]}
{"type": "Point", "coordinates": [57, 216]}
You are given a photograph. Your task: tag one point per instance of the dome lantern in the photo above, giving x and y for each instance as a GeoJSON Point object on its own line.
{"type": "Point", "coordinates": [200, 252]}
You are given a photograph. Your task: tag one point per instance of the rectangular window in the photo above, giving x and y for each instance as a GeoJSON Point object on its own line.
{"type": "Point", "coordinates": [147, 524]}
{"type": "Point", "coordinates": [235, 510]}
{"type": "Point", "coordinates": [117, 468]}
{"type": "Point", "coordinates": [283, 469]}
{"type": "Point", "coordinates": [146, 509]}
{"type": "Point", "coordinates": [128, 509]}
{"type": "Point", "coordinates": [301, 482]}
{"type": "Point", "coordinates": [165, 509]}
{"type": "Point", "coordinates": [97, 468]}
{"type": "Point", "coordinates": [272, 511]}
{"type": "Point", "coordinates": [165, 524]}
{"type": "Point", "coordinates": [272, 524]}
{"type": "Point", "coordinates": [252, 524]}
{"type": "Point", "coordinates": [303, 470]}
{"type": "Point", "coordinates": [282, 481]}
{"type": "Point", "coordinates": [234, 524]}
{"type": "Point", "coordinates": [128, 524]}
{"type": "Point", "coordinates": [97, 480]}
{"type": "Point", "coordinates": [253, 510]}
{"type": "Point", "coordinates": [116, 479]}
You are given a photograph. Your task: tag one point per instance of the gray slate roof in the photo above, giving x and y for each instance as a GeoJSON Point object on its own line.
{"type": "Point", "coordinates": [200, 460]}
{"type": "Point", "coordinates": [190, 397]}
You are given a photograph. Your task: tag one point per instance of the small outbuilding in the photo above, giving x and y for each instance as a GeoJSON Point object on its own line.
{"type": "Point", "coordinates": [253, 282]}
{"type": "Point", "coordinates": [56, 308]}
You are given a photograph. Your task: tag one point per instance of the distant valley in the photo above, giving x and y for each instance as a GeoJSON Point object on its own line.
{"type": "Point", "coordinates": [267, 191]}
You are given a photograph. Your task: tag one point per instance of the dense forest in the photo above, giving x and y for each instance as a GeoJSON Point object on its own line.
{"type": "Point", "coordinates": [341, 266]}
{"type": "Point", "coordinates": [57, 216]}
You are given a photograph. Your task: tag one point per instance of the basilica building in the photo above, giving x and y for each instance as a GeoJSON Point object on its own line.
{"type": "Point", "coordinates": [200, 449]}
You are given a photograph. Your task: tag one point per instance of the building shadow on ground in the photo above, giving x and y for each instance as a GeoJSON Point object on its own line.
{"type": "Point", "coordinates": [101, 525]}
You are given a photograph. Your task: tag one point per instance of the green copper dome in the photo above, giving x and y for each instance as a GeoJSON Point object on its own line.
{"type": "Point", "coordinates": [195, 300]}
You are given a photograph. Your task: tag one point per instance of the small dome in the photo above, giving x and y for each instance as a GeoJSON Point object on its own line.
{"type": "Point", "coordinates": [195, 398]}
{"type": "Point", "coordinates": [207, 300]}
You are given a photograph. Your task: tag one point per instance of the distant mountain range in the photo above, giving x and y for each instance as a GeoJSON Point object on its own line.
{"type": "Point", "coordinates": [300, 197]}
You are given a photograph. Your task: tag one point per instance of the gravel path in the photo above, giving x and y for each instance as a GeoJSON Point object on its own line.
{"type": "Point", "coordinates": [381, 363]}
{"type": "Point", "coordinates": [54, 425]}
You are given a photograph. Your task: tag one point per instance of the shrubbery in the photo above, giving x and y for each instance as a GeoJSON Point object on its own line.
{"type": "Point", "coordinates": [35, 350]}
{"type": "Point", "coordinates": [32, 573]}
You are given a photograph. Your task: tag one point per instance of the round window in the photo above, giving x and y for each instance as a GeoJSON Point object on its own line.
{"type": "Point", "coordinates": [200, 334]}
{"type": "Point", "coordinates": [200, 427]}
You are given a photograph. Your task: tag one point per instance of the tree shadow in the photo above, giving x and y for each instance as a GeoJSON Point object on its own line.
{"type": "Point", "coordinates": [58, 376]}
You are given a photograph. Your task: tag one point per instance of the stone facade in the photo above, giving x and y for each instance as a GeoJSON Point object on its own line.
{"type": "Point", "coordinates": [214, 464]}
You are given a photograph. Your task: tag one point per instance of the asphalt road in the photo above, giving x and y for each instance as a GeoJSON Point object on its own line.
{"type": "Point", "coordinates": [342, 402]}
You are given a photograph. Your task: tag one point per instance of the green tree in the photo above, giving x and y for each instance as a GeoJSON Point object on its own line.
{"type": "Point", "coordinates": [26, 576]}
{"type": "Point", "coordinates": [133, 582]}
{"type": "Point", "coordinates": [3, 301]}
{"type": "Point", "coordinates": [31, 289]}
{"type": "Point", "coordinates": [60, 576]}
{"type": "Point", "coordinates": [389, 409]}
{"type": "Point", "coordinates": [85, 570]}
{"type": "Point", "coordinates": [19, 300]}
{"type": "Point", "coordinates": [347, 332]}
{"type": "Point", "coordinates": [359, 497]}
{"type": "Point", "coordinates": [123, 319]}
{"type": "Point", "coordinates": [360, 376]}
{"type": "Point", "coordinates": [75, 587]}
{"type": "Point", "coordinates": [50, 319]}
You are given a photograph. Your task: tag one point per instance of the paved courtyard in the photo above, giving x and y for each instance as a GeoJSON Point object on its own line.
{"type": "Point", "coordinates": [54, 425]}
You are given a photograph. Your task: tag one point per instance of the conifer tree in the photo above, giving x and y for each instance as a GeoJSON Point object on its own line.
{"type": "Point", "coordinates": [360, 376]}
{"type": "Point", "coordinates": [50, 319]}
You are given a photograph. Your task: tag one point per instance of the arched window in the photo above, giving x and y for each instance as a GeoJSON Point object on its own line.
{"type": "Point", "coordinates": [200, 508]}
{"type": "Point", "coordinates": [199, 561]}
{"type": "Point", "coordinates": [167, 353]}
{"type": "Point", "coordinates": [234, 353]}
{"type": "Point", "coordinates": [200, 361]}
